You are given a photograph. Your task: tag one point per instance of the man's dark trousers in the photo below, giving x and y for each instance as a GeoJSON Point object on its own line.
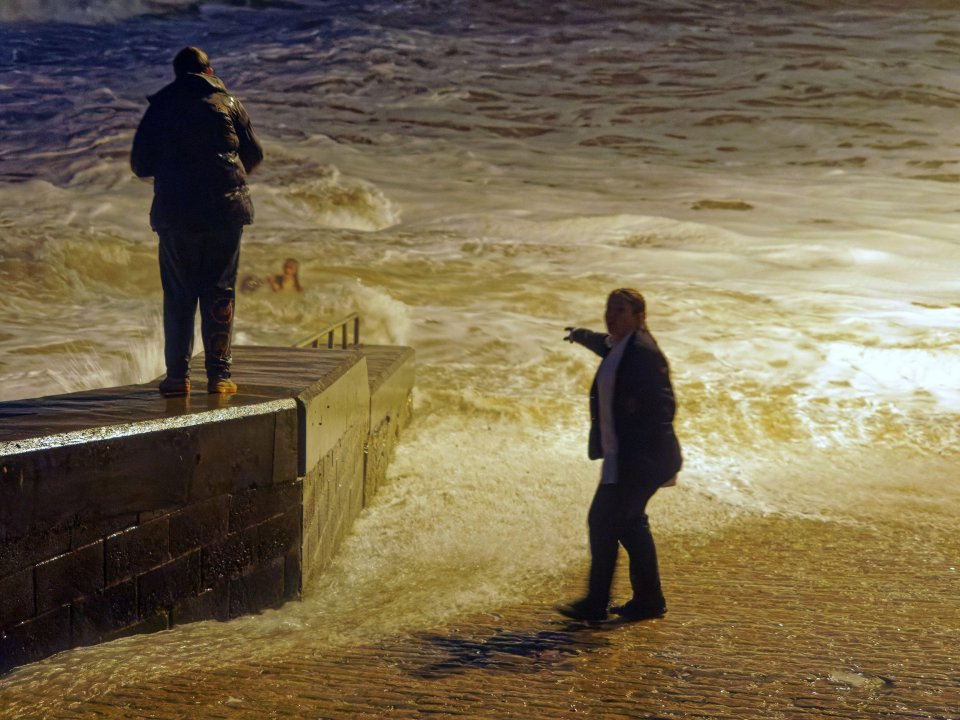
{"type": "Point", "coordinates": [618, 516]}
{"type": "Point", "coordinates": [199, 266]}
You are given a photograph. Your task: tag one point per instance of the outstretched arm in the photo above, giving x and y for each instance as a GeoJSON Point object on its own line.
{"type": "Point", "coordinates": [597, 342]}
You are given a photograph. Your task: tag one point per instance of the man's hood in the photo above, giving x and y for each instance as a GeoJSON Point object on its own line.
{"type": "Point", "coordinates": [191, 85]}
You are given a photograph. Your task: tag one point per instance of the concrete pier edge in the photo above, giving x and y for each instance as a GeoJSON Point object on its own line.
{"type": "Point", "coordinates": [123, 512]}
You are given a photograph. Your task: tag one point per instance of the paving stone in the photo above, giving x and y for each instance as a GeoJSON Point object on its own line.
{"type": "Point", "coordinates": [772, 618]}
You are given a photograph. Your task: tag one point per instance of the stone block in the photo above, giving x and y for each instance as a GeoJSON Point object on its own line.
{"type": "Point", "coordinates": [250, 507]}
{"type": "Point", "coordinates": [28, 550]}
{"type": "Point", "coordinates": [293, 574]}
{"type": "Point", "coordinates": [310, 486]}
{"type": "Point", "coordinates": [211, 604]}
{"type": "Point", "coordinates": [104, 612]}
{"type": "Point", "coordinates": [323, 552]}
{"type": "Point", "coordinates": [257, 590]}
{"type": "Point", "coordinates": [154, 623]}
{"type": "Point", "coordinates": [35, 639]}
{"type": "Point", "coordinates": [70, 576]}
{"type": "Point", "coordinates": [88, 530]}
{"type": "Point", "coordinates": [56, 485]}
{"type": "Point", "coordinates": [226, 557]}
{"type": "Point", "coordinates": [134, 551]}
{"type": "Point", "coordinates": [376, 458]}
{"type": "Point", "coordinates": [390, 410]}
{"type": "Point", "coordinates": [277, 536]}
{"type": "Point", "coordinates": [327, 411]}
{"type": "Point", "coordinates": [285, 445]}
{"type": "Point", "coordinates": [199, 524]}
{"type": "Point", "coordinates": [147, 515]}
{"type": "Point", "coordinates": [351, 469]}
{"type": "Point", "coordinates": [392, 376]}
{"type": "Point", "coordinates": [16, 598]}
{"type": "Point", "coordinates": [233, 455]}
{"type": "Point", "coordinates": [309, 554]}
{"type": "Point", "coordinates": [337, 490]}
{"type": "Point", "coordinates": [161, 587]}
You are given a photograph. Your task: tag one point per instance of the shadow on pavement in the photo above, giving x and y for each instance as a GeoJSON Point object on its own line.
{"type": "Point", "coordinates": [510, 650]}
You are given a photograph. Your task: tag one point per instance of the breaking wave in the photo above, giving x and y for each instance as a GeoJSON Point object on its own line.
{"type": "Point", "coordinates": [86, 12]}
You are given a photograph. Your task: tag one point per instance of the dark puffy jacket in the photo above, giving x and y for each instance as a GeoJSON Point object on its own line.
{"type": "Point", "coordinates": [197, 143]}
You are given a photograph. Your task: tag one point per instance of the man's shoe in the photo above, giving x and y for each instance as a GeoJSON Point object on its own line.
{"type": "Point", "coordinates": [635, 612]}
{"type": "Point", "coordinates": [584, 609]}
{"type": "Point", "coordinates": [221, 386]}
{"type": "Point", "coordinates": [174, 387]}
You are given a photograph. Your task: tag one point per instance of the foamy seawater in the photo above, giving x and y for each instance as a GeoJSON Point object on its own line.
{"type": "Point", "coordinates": [779, 181]}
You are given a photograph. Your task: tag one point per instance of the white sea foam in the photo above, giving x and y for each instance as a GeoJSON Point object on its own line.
{"type": "Point", "coordinates": [83, 11]}
{"type": "Point", "coordinates": [328, 199]}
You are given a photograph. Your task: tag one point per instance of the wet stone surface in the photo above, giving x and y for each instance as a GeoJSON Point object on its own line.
{"type": "Point", "coordinates": [767, 619]}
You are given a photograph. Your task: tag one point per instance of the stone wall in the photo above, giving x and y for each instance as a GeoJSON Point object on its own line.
{"type": "Point", "coordinates": [158, 525]}
{"type": "Point", "coordinates": [337, 422]}
{"type": "Point", "coordinates": [344, 468]}
{"type": "Point", "coordinates": [190, 509]}
{"type": "Point", "coordinates": [391, 405]}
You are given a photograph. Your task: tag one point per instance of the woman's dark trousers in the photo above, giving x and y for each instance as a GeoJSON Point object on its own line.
{"type": "Point", "coordinates": [199, 267]}
{"type": "Point", "coordinates": [618, 517]}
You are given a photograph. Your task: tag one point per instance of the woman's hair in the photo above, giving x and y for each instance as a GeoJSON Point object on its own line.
{"type": "Point", "coordinates": [632, 297]}
{"type": "Point", "coordinates": [635, 300]}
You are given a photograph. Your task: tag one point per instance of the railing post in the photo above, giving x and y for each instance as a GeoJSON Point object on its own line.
{"type": "Point", "coordinates": [331, 331]}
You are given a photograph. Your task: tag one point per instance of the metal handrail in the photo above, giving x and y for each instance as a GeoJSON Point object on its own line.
{"type": "Point", "coordinates": [330, 331]}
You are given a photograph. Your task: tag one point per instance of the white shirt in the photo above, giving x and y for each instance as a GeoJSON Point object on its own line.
{"type": "Point", "coordinates": [606, 380]}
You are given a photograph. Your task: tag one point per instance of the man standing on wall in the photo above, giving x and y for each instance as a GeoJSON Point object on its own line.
{"type": "Point", "coordinates": [196, 142]}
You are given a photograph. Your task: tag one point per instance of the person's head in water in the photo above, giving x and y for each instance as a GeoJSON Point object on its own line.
{"type": "Point", "coordinates": [289, 279]}
{"type": "Point", "coordinates": [626, 313]}
{"type": "Point", "coordinates": [191, 60]}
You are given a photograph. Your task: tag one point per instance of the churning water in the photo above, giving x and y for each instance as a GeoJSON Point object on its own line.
{"type": "Point", "coordinates": [779, 179]}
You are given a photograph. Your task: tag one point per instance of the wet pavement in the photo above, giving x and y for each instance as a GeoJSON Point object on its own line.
{"type": "Point", "coordinates": [771, 618]}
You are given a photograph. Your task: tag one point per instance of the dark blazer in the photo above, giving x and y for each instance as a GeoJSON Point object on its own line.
{"type": "Point", "coordinates": [643, 410]}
